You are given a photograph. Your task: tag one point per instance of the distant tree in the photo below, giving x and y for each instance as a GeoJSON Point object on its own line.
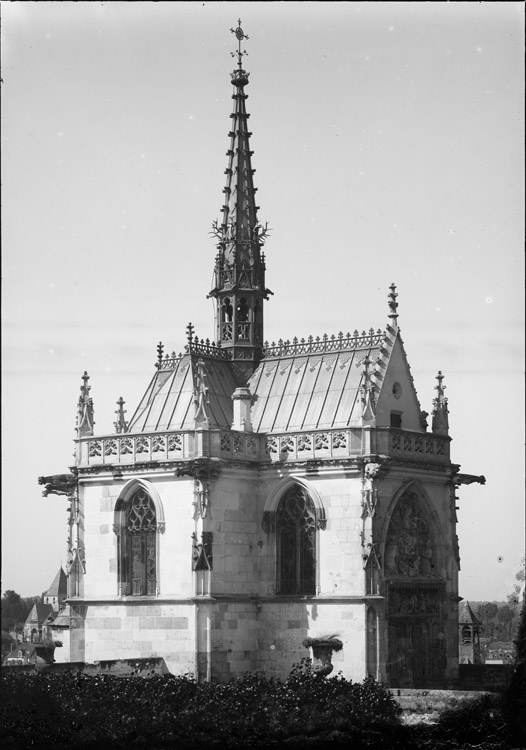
{"type": "Point", "coordinates": [515, 698]}
{"type": "Point", "coordinates": [14, 609]}
{"type": "Point", "coordinates": [517, 595]}
{"type": "Point", "coordinates": [487, 611]}
{"type": "Point", "coordinates": [11, 597]}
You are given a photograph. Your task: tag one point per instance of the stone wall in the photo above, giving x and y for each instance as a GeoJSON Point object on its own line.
{"type": "Point", "coordinates": [485, 676]}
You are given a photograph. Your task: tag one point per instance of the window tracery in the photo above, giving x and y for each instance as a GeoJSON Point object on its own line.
{"type": "Point", "coordinates": [296, 543]}
{"type": "Point", "coordinates": [138, 546]}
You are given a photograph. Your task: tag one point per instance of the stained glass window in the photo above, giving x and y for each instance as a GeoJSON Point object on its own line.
{"type": "Point", "coordinates": [296, 539]}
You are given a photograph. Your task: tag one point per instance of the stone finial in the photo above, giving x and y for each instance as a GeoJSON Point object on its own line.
{"type": "Point", "coordinates": [440, 423]}
{"type": "Point", "coordinates": [85, 420]}
{"type": "Point", "coordinates": [120, 425]}
{"type": "Point", "coordinates": [393, 304]}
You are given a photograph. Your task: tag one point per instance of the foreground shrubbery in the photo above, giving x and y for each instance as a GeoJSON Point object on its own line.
{"type": "Point", "coordinates": [52, 710]}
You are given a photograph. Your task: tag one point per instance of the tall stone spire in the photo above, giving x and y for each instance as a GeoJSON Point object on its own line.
{"type": "Point", "coordinates": [239, 274]}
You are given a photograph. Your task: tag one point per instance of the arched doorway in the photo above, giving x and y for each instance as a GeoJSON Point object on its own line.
{"type": "Point", "coordinates": [415, 593]}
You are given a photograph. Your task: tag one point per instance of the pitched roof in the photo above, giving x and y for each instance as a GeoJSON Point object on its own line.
{"type": "Point", "coordinates": [169, 401]}
{"type": "Point", "coordinates": [39, 613]}
{"type": "Point", "coordinates": [314, 384]}
{"type": "Point", "coordinates": [467, 617]}
{"type": "Point", "coordinates": [59, 585]}
{"type": "Point", "coordinates": [62, 618]}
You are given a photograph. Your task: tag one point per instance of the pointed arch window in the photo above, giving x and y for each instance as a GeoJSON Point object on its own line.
{"type": "Point", "coordinates": [296, 543]}
{"type": "Point", "coordinates": [138, 546]}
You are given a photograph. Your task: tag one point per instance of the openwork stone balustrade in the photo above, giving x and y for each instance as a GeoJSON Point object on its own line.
{"type": "Point", "coordinates": [246, 446]}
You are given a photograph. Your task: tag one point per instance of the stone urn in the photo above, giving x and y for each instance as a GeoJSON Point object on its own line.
{"type": "Point", "coordinates": [322, 650]}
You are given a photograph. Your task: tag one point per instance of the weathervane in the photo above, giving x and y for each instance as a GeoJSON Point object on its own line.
{"type": "Point", "coordinates": [240, 34]}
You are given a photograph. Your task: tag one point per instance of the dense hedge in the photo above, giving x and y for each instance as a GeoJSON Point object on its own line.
{"type": "Point", "coordinates": [52, 710]}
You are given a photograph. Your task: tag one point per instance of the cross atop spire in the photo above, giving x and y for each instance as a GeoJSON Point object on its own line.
{"type": "Point", "coordinates": [240, 34]}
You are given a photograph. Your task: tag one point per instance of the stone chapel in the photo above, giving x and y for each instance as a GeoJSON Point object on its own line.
{"type": "Point", "coordinates": [261, 495]}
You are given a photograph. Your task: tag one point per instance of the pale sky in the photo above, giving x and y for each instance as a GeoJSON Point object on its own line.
{"type": "Point", "coordinates": [388, 142]}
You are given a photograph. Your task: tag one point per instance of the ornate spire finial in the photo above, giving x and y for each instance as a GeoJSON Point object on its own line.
{"type": "Point", "coordinates": [190, 330]}
{"type": "Point", "coordinates": [240, 34]}
{"type": "Point", "coordinates": [440, 388]}
{"type": "Point", "coordinates": [393, 304]}
{"type": "Point", "coordinates": [121, 425]}
{"type": "Point", "coordinates": [85, 409]}
{"type": "Point", "coordinates": [440, 423]}
{"type": "Point", "coordinates": [239, 76]}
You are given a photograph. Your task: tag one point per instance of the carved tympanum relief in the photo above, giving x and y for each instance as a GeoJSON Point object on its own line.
{"type": "Point", "coordinates": [409, 550]}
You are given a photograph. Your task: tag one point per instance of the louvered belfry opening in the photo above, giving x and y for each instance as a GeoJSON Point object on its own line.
{"type": "Point", "coordinates": [296, 538]}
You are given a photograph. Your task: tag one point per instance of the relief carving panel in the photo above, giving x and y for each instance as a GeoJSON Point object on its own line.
{"type": "Point", "coordinates": [409, 550]}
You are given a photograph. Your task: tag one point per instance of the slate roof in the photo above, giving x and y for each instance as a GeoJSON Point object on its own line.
{"type": "Point", "coordinates": [168, 403]}
{"type": "Point", "coordinates": [308, 392]}
{"type": "Point", "coordinates": [62, 618]}
{"type": "Point", "coordinates": [297, 386]}
{"type": "Point", "coordinates": [59, 585]}
{"type": "Point", "coordinates": [39, 612]}
{"type": "Point", "coordinates": [467, 617]}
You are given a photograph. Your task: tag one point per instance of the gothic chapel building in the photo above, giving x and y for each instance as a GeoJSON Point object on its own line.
{"type": "Point", "coordinates": [265, 494]}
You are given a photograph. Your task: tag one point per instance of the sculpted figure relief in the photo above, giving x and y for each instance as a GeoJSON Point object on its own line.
{"type": "Point", "coordinates": [409, 551]}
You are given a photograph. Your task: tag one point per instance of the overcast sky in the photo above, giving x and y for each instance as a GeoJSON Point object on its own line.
{"type": "Point", "coordinates": [388, 142]}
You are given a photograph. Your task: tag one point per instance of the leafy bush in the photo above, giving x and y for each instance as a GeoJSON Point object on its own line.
{"type": "Point", "coordinates": [54, 710]}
